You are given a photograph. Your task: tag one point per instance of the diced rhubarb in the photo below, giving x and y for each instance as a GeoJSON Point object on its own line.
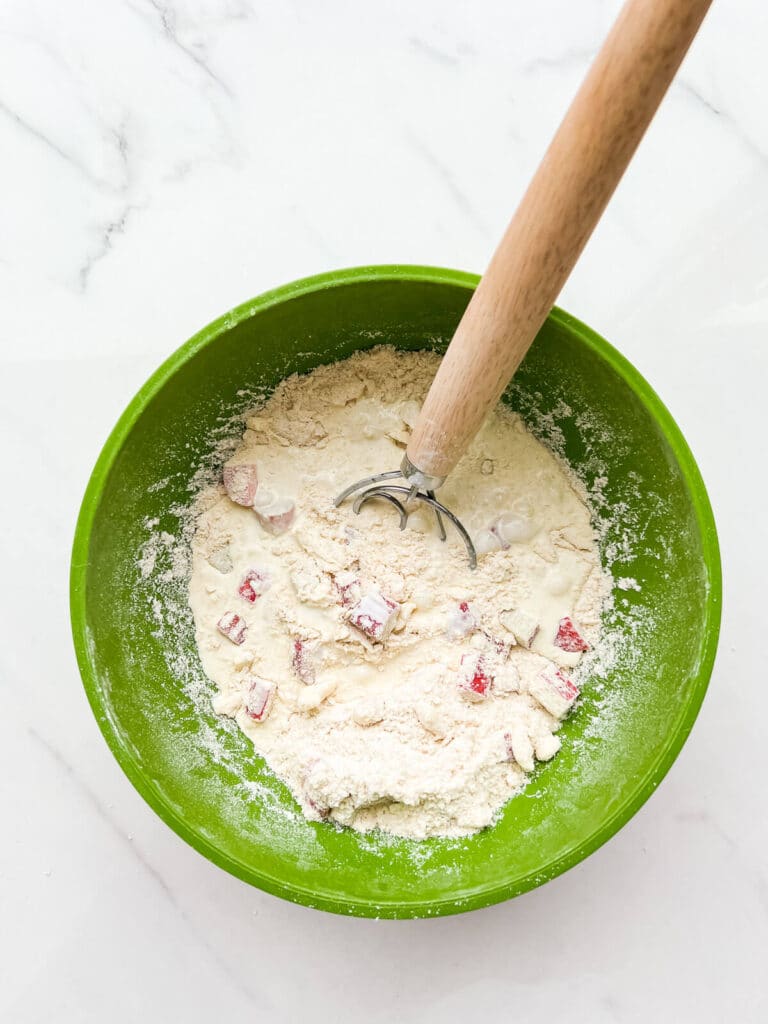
{"type": "Point", "coordinates": [493, 531]}
{"type": "Point", "coordinates": [486, 541]}
{"type": "Point", "coordinates": [475, 680]}
{"type": "Point", "coordinates": [232, 627]}
{"type": "Point", "coordinates": [303, 661]}
{"type": "Point", "coordinates": [241, 480]}
{"type": "Point", "coordinates": [568, 637]}
{"type": "Point", "coordinates": [501, 648]}
{"type": "Point", "coordinates": [276, 516]}
{"type": "Point", "coordinates": [461, 622]}
{"type": "Point", "coordinates": [348, 586]}
{"type": "Point", "coordinates": [255, 583]}
{"type": "Point", "coordinates": [374, 615]}
{"type": "Point", "coordinates": [554, 691]}
{"type": "Point", "coordinates": [565, 686]}
{"type": "Point", "coordinates": [259, 699]}
{"type": "Point", "coordinates": [520, 624]}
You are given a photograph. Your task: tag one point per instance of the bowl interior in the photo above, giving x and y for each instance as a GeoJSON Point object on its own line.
{"type": "Point", "coordinates": [135, 641]}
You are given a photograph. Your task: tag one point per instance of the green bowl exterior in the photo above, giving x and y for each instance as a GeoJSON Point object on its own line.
{"type": "Point", "coordinates": [573, 804]}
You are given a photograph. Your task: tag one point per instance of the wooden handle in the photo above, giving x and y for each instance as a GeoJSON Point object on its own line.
{"type": "Point", "coordinates": [558, 213]}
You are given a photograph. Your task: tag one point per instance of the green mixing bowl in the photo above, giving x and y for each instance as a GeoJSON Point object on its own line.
{"type": "Point", "coordinates": [135, 641]}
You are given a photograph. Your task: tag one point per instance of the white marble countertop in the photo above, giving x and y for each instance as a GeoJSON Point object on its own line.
{"type": "Point", "coordinates": [165, 160]}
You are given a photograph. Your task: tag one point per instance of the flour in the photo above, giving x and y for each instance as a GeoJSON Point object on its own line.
{"type": "Point", "coordinates": [431, 726]}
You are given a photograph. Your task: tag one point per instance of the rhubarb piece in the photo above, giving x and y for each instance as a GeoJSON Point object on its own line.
{"type": "Point", "coordinates": [520, 748]}
{"type": "Point", "coordinates": [461, 622]}
{"type": "Point", "coordinates": [259, 699]}
{"type": "Point", "coordinates": [303, 661]}
{"type": "Point", "coordinates": [564, 685]}
{"type": "Point", "coordinates": [486, 541]}
{"type": "Point", "coordinates": [474, 680]}
{"type": "Point", "coordinates": [501, 648]}
{"type": "Point", "coordinates": [241, 480]}
{"type": "Point", "coordinates": [568, 637]}
{"type": "Point", "coordinates": [275, 514]}
{"type": "Point", "coordinates": [348, 586]}
{"type": "Point", "coordinates": [232, 627]}
{"type": "Point", "coordinates": [500, 542]}
{"type": "Point", "coordinates": [256, 582]}
{"type": "Point", "coordinates": [374, 615]}
{"type": "Point", "coordinates": [520, 624]}
{"type": "Point", "coordinates": [554, 691]}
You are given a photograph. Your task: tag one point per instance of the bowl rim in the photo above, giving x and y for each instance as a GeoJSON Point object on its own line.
{"type": "Point", "coordinates": [312, 897]}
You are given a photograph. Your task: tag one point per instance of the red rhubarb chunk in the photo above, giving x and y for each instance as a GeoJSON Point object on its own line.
{"type": "Point", "coordinates": [501, 649]}
{"type": "Point", "coordinates": [232, 627]}
{"type": "Point", "coordinates": [241, 481]}
{"type": "Point", "coordinates": [259, 699]}
{"type": "Point", "coordinates": [567, 689]}
{"type": "Point", "coordinates": [278, 516]}
{"type": "Point", "coordinates": [480, 682]}
{"type": "Point", "coordinates": [348, 586]}
{"type": "Point", "coordinates": [475, 680]}
{"type": "Point", "coordinates": [568, 637]}
{"type": "Point", "coordinates": [374, 615]}
{"type": "Point", "coordinates": [254, 584]}
{"type": "Point", "coordinates": [302, 661]}
{"type": "Point", "coordinates": [461, 622]}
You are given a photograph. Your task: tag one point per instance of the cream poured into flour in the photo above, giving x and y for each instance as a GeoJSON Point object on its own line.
{"type": "Point", "coordinates": [388, 684]}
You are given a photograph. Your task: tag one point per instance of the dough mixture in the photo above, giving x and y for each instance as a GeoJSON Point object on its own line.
{"type": "Point", "coordinates": [388, 684]}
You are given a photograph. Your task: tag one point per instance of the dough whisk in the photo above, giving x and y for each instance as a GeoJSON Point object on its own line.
{"type": "Point", "coordinates": [563, 204]}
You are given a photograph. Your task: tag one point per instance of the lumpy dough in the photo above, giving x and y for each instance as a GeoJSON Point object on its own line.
{"type": "Point", "coordinates": [388, 684]}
